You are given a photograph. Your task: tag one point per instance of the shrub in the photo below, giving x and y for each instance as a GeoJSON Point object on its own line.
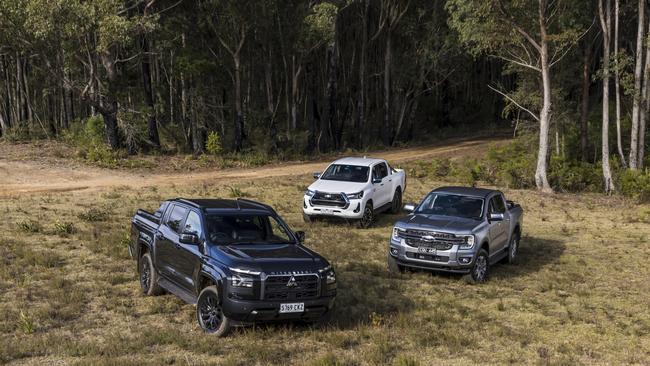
{"type": "Point", "coordinates": [512, 165]}
{"type": "Point", "coordinates": [64, 228]}
{"type": "Point", "coordinates": [29, 226]}
{"type": "Point", "coordinates": [213, 145]}
{"type": "Point", "coordinates": [93, 214]}
{"type": "Point", "coordinates": [573, 176]}
{"type": "Point", "coordinates": [636, 184]}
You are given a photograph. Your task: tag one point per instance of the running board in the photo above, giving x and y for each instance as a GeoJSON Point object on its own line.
{"type": "Point", "coordinates": [499, 256]}
{"type": "Point", "coordinates": [385, 207]}
{"type": "Point", "coordinates": [185, 295]}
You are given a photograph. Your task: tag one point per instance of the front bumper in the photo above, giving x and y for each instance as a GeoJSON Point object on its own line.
{"type": "Point", "coordinates": [353, 211]}
{"type": "Point", "coordinates": [249, 311]}
{"type": "Point", "coordinates": [443, 261]}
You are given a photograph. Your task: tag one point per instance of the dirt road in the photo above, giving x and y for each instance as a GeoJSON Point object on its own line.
{"type": "Point", "coordinates": [25, 174]}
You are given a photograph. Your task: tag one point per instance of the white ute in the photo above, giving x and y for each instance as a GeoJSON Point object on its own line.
{"type": "Point", "coordinates": [355, 189]}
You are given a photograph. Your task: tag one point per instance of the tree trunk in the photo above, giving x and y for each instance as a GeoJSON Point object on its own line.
{"type": "Point", "coordinates": [617, 86]}
{"type": "Point", "coordinates": [605, 20]}
{"type": "Point", "coordinates": [361, 102]}
{"type": "Point", "coordinates": [145, 64]}
{"type": "Point", "coordinates": [388, 128]}
{"type": "Point", "coordinates": [645, 105]}
{"type": "Point", "coordinates": [636, 96]}
{"type": "Point", "coordinates": [584, 113]}
{"type": "Point", "coordinates": [545, 115]}
{"type": "Point", "coordinates": [239, 114]}
{"type": "Point", "coordinates": [332, 95]}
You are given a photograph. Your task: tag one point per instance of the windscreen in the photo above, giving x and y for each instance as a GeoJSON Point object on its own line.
{"type": "Point", "coordinates": [346, 173]}
{"type": "Point", "coordinates": [246, 229]}
{"type": "Point", "coordinates": [452, 205]}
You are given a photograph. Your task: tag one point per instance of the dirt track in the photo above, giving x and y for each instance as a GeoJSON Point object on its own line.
{"type": "Point", "coordinates": [20, 176]}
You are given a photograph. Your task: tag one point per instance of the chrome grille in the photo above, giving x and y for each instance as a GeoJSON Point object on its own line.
{"type": "Point", "coordinates": [429, 239]}
{"type": "Point", "coordinates": [329, 199]}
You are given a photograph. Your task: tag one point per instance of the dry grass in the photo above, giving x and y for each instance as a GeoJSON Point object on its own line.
{"type": "Point", "coordinates": [578, 296]}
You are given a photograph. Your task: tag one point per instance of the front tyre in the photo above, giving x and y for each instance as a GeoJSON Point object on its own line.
{"type": "Point", "coordinates": [210, 314]}
{"type": "Point", "coordinates": [148, 276]}
{"type": "Point", "coordinates": [393, 267]}
{"type": "Point", "coordinates": [367, 218]}
{"type": "Point", "coordinates": [396, 205]}
{"type": "Point", "coordinates": [479, 273]}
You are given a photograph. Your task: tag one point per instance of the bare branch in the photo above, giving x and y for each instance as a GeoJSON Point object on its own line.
{"type": "Point", "coordinates": [514, 102]}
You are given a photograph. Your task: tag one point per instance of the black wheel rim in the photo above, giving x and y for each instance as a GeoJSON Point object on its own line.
{"type": "Point", "coordinates": [367, 217]}
{"type": "Point", "coordinates": [145, 276]}
{"type": "Point", "coordinates": [210, 315]}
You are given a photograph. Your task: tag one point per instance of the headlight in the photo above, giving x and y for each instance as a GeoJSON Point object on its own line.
{"type": "Point", "coordinates": [355, 196]}
{"type": "Point", "coordinates": [468, 241]}
{"type": "Point", "coordinates": [331, 277]}
{"type": "Point", "coordinates": [396, 232]}
{"type": "Point", "coordinates": [243, 277]}
{"type": "Point", "coordinates": [309, 193]}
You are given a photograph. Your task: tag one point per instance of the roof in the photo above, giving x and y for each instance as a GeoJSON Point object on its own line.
{"type": "Point", "coordinates": [466, 191]}
{"type": "Point", "coordinates": [218, 203]}
{"type": "Point", "coordinates": [363, 161]}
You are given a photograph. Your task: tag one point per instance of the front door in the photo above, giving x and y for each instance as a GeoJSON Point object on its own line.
{"type": "Point", "coordinates": [189, 255]}
{"type": "Point", "coordinates": [498, 229]}
{"type": "Point", "coordinates": [382, 194]}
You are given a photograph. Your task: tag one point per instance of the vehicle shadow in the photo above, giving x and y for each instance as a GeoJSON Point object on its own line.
{"type": "Point", "coordinates": [534, 254]}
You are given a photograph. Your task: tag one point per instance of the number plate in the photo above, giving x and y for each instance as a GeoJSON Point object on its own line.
{"type": "Point", "coordinates": [327, 210]}
{"type": "Point", "coordinates": [427, 250]}
{"type": "Point", "coordinates": [297, 307]}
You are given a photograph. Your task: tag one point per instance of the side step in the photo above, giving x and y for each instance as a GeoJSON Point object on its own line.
{"type": "Point", "coordinates": [185, 295]}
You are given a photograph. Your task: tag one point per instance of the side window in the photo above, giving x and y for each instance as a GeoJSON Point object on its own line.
{"type": "Point", "coordinates": [379, 171]}
{"type": "Point", "coordinates": [193, 224]}
{"type": "Point", "coordinates": [176, 218]}
{"type": "Point", "coordinates": [497, 205]}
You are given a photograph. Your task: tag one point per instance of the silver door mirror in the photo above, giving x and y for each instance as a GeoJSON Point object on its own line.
{"type": "Point", "coordinates": [317, 175]}
{"type": "Point", "coordinates": [495, 217]}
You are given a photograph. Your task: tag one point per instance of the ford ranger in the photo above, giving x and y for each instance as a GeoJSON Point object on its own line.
{"type": "Point", "coordinates": [235, 259]}
{"type": "Point", "coordinates": [459, 230]}
{"type": "Point", "coordinates": [355, 189]}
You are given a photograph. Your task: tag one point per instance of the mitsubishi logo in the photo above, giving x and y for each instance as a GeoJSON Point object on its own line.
{"type": "Point", "coordinates": [292, 282]}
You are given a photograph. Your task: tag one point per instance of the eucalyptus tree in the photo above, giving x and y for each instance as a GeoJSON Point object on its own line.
{"type": "Point", "coordinates": [531, 36]}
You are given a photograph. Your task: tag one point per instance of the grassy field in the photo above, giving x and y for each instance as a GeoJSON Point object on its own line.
{"type": "Point", "coordinates": [579, 295]}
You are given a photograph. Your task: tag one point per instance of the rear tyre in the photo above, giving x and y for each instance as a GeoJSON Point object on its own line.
{"type": "Point", "coordinates": [513, 248]}
{"type": "Point", "coordinates": [367, 218]}
{"type": "Point", "coordinates": [148, 276]}
{"type": "Point", "coordinates": [396, 205]}
{"type": "Point", "coordinates": [393, 267]}
{"type": "Point", "coordinates": [209, 313]}
{"type": "Point", "coordinates": [479, 273]}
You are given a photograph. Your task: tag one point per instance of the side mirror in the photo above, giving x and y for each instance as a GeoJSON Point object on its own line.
{"type": "Point", "coordinates": [301, 236]}
{"type": "Point", "coordinates": [409, 207]}
{"type": "Point", "coordinates": [317, 175]}
{"type": "Point", "coordinates": [376, 180]}
{"type": "Point", "coordinates": [189, 238]}
{"type": "Point", "coordinates": [495, 217]}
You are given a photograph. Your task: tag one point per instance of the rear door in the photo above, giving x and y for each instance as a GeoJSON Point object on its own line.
{"type": "Point", "coordinates": [498, 229]}
{"type": "Point", "coordinates": [382, 190]}
{"type": "Point", "coordinates": [188, 256]}
{"type": "Point", "coordinates": [167, 240]}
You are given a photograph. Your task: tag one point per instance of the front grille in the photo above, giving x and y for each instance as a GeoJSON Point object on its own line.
{"type": "Point", "coordinates": [430, 239]}
{"type": "Point", "coordinates": [275, 287]}
{"type": "Point", "coordinates": [427, 257]}
{"type": "Point", "coordinates": [328, 199]}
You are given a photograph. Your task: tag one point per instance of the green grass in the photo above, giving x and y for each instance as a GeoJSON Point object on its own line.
{"type": "Point", "coordinates": [579, 294]}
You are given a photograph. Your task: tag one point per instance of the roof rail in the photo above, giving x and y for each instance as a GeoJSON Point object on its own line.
{"type": "Point", "coordinates": [188, 202]}
{"type": "Point", "coordinates": [255, 203]}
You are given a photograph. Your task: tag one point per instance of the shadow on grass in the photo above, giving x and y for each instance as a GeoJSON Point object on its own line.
{"type": "Point", "coordinates": [534, 254]}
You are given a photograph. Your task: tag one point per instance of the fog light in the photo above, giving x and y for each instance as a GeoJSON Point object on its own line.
{"type": "Point", "coordinates": [358, 208]}
{"type": "Point", "coordinates": [394, 251]}
{"type": "Point", "coordinates": [465, 260]}
{"type": "Point", "coordinates": [304, 204]}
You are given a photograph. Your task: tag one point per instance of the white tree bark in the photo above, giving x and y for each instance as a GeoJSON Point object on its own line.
{"type": "Point", "coordinates": [636, 95]}
{"type": "Point", "coordinates": [645, 104]}
{"type": "Point", "coordinates": [545, 115]}
{"type": "Point", "coordinates": [617, 85]}
{"type": "Point", "coordinates": [605, 22]}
